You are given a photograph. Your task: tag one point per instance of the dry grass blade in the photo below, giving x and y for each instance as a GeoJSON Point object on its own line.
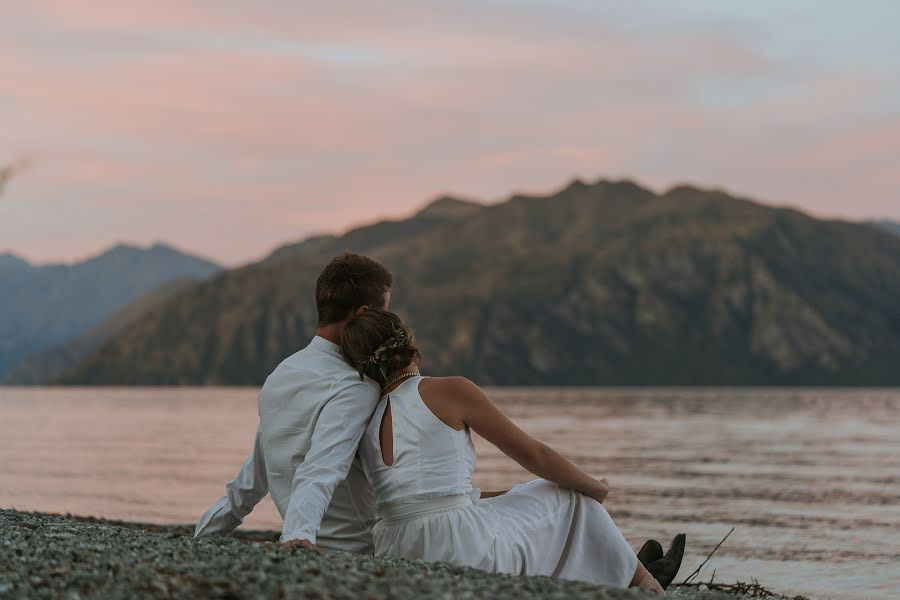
{"type": "Point", "coordinates": [746, 590]}
{"type": "Point", "coordinates": [697, 571]}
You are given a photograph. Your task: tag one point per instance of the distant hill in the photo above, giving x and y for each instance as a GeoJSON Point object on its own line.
{"type": "Point", "coordinates": [889, 226]}
{"type": "Point", "coordinates": [46, 365]}
{"type": "Point", "coordinates": [42, 306]}
{"type": "Point", "coordinates": [603, 283]}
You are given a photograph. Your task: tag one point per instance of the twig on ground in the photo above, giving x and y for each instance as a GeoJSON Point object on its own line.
{"type": "Point", "coordinates": [697, 571]}
{"type": "Point", "coordinates": [748, 590]}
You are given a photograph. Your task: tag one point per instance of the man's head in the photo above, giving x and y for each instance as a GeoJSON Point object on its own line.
{"type": "Point", "coordinates": [349, 284]}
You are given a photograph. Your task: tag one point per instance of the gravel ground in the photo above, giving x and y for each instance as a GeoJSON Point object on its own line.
{"type": "Point", "coordinates": [52, 556]}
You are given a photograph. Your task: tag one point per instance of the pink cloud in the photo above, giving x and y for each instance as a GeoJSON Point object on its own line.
{"type": "Point", "coordinates": [243, 126]}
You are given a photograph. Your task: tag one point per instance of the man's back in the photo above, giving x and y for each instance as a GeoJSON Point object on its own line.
{"type": "Point", "coordinates": [313, 409]}
{"type": "Point", "coordinates": [291, 405]}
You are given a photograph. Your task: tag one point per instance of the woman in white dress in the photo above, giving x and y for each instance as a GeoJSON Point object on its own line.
{"type": "Point", "coordinates": [418, 455]}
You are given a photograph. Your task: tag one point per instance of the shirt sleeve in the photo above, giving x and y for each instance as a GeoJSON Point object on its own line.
{"type": "Point", "coordinates": [333, 446]}
{"type": "Point", "coordinates": [241, 494]}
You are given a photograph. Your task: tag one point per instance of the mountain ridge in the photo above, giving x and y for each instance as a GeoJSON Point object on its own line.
{"type": "Point", "coordinates": [597, 283]}
{"type": "Point", "coordinates": [48, 364]}
{"type": "Point", "coordinates": [47, 304]}
{"type": "Point", "coordinates": [117, 248]}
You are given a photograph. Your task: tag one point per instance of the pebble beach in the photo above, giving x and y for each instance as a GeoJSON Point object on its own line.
{"type": "Point", "coordinates": [54, 556]}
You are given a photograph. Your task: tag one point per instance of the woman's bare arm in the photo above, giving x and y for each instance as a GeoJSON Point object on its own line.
{"type": "Point", "coordinates": [477, 411]}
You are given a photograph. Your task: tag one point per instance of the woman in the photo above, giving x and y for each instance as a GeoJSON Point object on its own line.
{"type": "Point", "coordinates": [418, 455]}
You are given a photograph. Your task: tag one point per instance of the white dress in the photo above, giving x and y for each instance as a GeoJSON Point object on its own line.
{"type": "Point", "coordinates": [429, 510]}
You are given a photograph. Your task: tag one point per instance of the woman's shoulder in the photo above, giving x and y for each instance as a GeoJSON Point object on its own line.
{"type": "Point", "coordinates": [458, 390]}
{"type": "Point", "coordinates": [445, 398]}
{"type": "Point", "coordinates": [441, 385]}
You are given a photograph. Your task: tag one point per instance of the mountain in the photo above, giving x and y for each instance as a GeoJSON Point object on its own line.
{"type": "Point", "coordinates": [11, 262]}
{"type": "Point", "coordinates": [448, 207]}
{"type": "Point", "coordinates": [363, 239]}
{"type": "Point", "coordinates": [42, 306]}
{"type": "Point", "coordinates": [889, 226]}
{"type": "Point", "coordinates": [603, 283]}
{"type": "Point", "coordinates": [47, 365]}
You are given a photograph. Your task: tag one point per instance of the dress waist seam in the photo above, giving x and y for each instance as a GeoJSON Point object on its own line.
{"type": "Point", "coordinates": [398, 512]}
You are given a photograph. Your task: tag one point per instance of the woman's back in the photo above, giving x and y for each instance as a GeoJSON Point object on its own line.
{"type": "Point", "coordinates": [429, 458]}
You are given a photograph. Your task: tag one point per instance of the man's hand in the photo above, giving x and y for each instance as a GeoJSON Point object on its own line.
{"type": "Point", "coordinates": [305, 544]}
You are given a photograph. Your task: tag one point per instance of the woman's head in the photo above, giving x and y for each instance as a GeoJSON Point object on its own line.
{"type": "Point", "coordinates": [377, 343]}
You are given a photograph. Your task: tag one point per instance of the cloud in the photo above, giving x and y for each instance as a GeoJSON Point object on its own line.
{"type": "Point", "coordinates": [230, 127]}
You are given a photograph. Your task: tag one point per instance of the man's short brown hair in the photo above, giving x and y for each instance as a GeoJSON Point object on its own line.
{"type": "Point", "coordinates": [348, 282]}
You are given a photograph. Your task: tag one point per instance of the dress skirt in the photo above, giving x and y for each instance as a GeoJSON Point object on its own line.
{"type": "Point", "coordinates": [537, 528]}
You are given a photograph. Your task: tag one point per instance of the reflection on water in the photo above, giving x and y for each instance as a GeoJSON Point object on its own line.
{"type": "Point", "coordinates": [809, 478]}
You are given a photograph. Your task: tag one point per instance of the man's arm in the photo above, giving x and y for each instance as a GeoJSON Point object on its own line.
{"type": "Point", "coordinates": [241, 494]}
{"type": "Point", "coordinates": [333, 445]}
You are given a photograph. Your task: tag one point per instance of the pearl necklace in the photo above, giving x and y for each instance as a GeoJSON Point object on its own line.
{"type": "Point", "coordinates": [399, 378]}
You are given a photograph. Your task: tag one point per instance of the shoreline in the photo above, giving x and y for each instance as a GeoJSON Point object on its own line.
{"type": "Point", "coordinates": [51, 555]}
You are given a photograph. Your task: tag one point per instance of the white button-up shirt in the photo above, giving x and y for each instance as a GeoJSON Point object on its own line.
{"type": "Point", "coordinates": [313, 410]}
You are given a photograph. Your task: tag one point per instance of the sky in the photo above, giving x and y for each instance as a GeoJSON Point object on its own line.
{"type": "Point", "coordinates": [226, 128]}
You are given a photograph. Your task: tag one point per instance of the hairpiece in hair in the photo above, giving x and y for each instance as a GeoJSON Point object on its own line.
{"type": "Point", "coordinates": [397, 340]}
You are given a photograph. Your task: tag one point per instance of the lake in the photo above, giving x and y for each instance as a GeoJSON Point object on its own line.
{"type": "Point", "coordinates": [809, 478]}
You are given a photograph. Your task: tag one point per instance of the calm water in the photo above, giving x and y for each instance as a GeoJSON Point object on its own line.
{"type": "Point", "coordinates": [809, 478]}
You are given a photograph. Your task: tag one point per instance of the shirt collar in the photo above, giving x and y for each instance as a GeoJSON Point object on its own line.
{"type": "Point", "coordinates": [320, 343]}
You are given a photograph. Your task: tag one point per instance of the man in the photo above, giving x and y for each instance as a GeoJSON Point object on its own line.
{"type": "Point", "coordinates": [313, 410]}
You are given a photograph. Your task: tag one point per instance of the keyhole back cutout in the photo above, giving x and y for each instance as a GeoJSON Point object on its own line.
{"type": "Point", "coordinates": [386, 436]}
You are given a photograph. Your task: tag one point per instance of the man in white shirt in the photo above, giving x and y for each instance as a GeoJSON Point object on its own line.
{"type": "Point", "coordinates": [313, 410]}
